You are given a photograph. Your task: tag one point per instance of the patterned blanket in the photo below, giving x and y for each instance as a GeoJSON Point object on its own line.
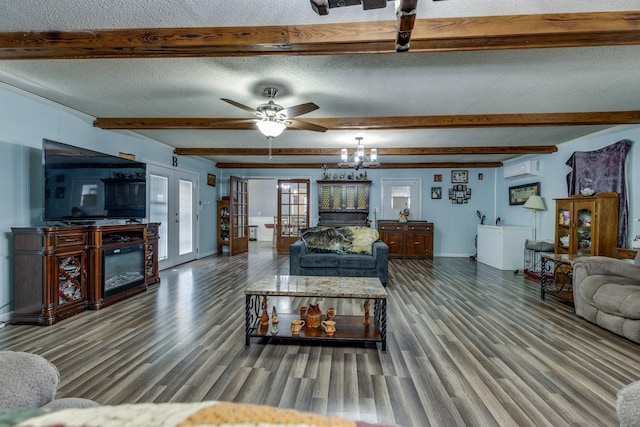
{"type": "Point", "coordinates": [200, 414]}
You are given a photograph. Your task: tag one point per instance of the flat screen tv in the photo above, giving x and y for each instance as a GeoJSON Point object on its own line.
{"type": "Point", "coordinates": [84, 185]}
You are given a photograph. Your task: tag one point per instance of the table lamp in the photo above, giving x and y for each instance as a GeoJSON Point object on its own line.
{"type": "Point", "coordinates": [535, 203]}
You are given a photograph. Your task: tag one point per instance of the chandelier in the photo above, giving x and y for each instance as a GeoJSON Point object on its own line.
{"type": "Point", "coordinates": [359, 159]}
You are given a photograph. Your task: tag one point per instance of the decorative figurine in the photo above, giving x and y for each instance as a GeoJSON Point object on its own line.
{"type": "Point", "coordinates": [404, 215]}
{"type": "Point", "coordinates": [367, 312]}
{"type": "Point", "coordinates": [313, 315]}
{"type": "Point", "coordinates": [274, 317]}
{"type": "Point", "coordinates": [264, 318]}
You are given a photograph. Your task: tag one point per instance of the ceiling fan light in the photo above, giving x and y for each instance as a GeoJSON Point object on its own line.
{"type": "Point", "coordinates": [344, 154]}
{"type": "Point", "coordinates": [360, 151]}
{"type": "Point", "coordinates": [373, 155]}
{"type": "Point", "coordinates": [270, 128]}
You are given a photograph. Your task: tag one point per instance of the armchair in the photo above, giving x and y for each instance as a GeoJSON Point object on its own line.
{"type": "Point", "coordinates": [606, 292]}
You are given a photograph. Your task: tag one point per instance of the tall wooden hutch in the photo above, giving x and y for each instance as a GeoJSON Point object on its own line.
{"type": "Point", "coordinates": [587, 225]}
{"type": "Point", "coordinates": [343, 202]}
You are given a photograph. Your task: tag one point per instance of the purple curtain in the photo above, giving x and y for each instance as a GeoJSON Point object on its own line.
{"type": "Point", "coordinates": [604, 170]}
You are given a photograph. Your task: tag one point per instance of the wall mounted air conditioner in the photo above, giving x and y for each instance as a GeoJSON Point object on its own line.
{"type": "Point", "coordinates": [528, 168]}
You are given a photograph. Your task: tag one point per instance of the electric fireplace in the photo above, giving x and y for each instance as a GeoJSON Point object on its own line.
{"type": "Point", "coordinates": [122, 267]}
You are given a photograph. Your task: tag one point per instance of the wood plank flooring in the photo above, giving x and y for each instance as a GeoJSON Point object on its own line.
{"type": "Point", "coordinates": [468, 345]}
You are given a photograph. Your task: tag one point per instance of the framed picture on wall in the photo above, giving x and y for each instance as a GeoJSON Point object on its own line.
{"type": "Point", "coordinates": [211, 180]}
{"type": "Point", "coordinates": [436, 192]}
{"type": "Point", "coordinates": [459, 177]}
{"type": "Point", "coordinates": [518, 194]}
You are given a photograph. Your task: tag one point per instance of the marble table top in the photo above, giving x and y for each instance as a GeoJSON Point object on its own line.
{"type": "Point", "coordinates": [318, 286]}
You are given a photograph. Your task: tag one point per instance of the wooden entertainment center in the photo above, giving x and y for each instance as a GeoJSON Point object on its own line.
{"type": "Point", "coordinates": [61, 271]}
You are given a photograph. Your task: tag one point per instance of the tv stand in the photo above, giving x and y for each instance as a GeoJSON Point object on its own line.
{"type": "Point", "coordinates": [58, 270]}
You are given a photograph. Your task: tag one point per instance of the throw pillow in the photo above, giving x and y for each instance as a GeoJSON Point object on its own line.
{"type": "Point", "coordinates": [362, 239]}
{"type": "Point", "coordinates": [325, 239]}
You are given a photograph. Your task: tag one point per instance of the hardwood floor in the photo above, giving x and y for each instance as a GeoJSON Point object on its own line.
{"type": "Point", "coordinates": [467, 345]}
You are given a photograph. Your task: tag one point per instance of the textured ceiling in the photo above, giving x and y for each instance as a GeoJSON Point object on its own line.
{"type": "Point", "coordinates": [403, 84]}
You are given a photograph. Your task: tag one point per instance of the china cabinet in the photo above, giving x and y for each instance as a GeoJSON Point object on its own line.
{"type": "Point", "coordinates": [343, 202]}
{"type": "Point", "coordinates": [587, 225]}
{"type": "Point", "coordinates": [224, 223]}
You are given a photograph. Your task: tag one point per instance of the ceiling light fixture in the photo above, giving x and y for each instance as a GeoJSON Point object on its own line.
{"type": "Point", "coordinates": [359, 159]}
{"type": "Point", "coordinates": [270, 127]}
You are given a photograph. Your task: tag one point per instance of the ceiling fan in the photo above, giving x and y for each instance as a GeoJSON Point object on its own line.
{"type": "Point", "coordinates": [273, 118]}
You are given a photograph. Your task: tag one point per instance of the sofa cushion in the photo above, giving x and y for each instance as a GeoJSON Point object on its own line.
{"type": "Point", "coordinates": [362, 239]}
{"type": "Point", "coordinates": [359, 262]}
{"type": "Point", "coordinates": [618, 298]}
{"type": "Point", "coordinates": [324, 239]}
{"type": "Point", "coordinates": [317, 260]}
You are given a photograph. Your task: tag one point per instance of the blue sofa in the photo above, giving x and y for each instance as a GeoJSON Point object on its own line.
{"type": "Point", "coordinates": [303, 262]}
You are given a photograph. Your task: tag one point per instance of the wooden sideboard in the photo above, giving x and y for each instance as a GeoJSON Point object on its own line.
{"type": "Point", "coordinates": [412, 239]}
{"type": "Point", "coordinates": [59, 271]}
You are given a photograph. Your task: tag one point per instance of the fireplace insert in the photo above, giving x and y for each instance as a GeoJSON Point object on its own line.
{"type": "Point", "coordinates": [122, 268]}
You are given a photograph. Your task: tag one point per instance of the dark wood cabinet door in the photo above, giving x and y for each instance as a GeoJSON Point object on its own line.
{"type": "Point", "coordinates": [395, 242]}
{"type": "Point", "coordinates": [415, 244]}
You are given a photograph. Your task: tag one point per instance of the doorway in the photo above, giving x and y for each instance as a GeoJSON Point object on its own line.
{"type": "Point", "coordinates": [293, 211]}
{"type": "Point", "coordinates": [173, 201]}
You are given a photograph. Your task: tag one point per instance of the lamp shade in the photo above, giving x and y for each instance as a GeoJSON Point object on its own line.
{"type": "Point", "coordinates": [270, 128]}
{"type": "Point", "coordinates": [534, 202]}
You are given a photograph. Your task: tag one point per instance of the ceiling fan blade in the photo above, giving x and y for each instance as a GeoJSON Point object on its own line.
{"type": "Point", "coordinates": [298, 110]}
{"type": "Point", "coordinates": [241, 106]}
{"type": "Point", "coordinates": [299, 124]}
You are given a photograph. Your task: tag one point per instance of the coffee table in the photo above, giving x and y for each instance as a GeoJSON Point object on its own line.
{"type": "Point", "coordinates": [364, 328]}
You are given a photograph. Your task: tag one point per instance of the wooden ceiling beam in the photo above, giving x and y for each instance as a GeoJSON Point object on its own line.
{"type": "Point", "coordinates": [408, 151]}
{"type": "Point", "coordinates": [428, 165]}
{"type": "Point", "coordinates": [441, 34]}
{"type": "Point", "coordinates": [390, 123]}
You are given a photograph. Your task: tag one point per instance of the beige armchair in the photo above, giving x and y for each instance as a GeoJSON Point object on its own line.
{"type": "Point", "coordinates": [606, 291]}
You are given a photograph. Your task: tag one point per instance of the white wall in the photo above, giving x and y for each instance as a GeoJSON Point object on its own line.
{"type": "Point", "coordinates": [24, 122]}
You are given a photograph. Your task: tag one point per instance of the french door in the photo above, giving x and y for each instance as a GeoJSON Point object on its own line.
{"type": "Point", "coordinates": [293, 211]}
{"type": "Point", "coordinates": [173, 203]}
{"type": "Point", "coordinates": [239, 211]}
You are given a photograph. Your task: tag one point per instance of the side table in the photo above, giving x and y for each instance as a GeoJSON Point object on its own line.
{"type": "Point", "coordinates": [556, 275]}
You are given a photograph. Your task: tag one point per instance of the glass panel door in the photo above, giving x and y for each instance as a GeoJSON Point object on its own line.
{"type": "Point", "coordinates": [293, 211]}
{"type": "Point", "coordinates": [172, 203]}
{"type": "Point", "coordinates": [239, 208]}
{"type": "Point", "coordinates": [583, 232]}
{"type": "Point", "coordinates": [159, 211]}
